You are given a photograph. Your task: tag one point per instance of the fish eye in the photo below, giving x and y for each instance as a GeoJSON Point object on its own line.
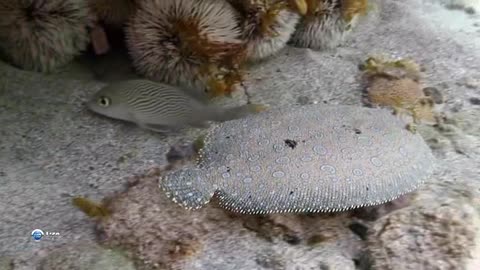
{"type": "Point", "coordinates": [104, 101]}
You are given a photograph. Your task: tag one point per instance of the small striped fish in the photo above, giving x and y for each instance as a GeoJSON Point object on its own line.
{"type": "Point", "coordinates": [160, 107]}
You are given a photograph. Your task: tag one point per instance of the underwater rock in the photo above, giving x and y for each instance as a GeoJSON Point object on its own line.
{"type": "Point", "coordinates": [375, 212]}
{"type": "Point", "coordinates": [336, 158]}
{"type": "Point", "coordinates": [85, 257]}
{"type": "Point", "coordinates": [306, 259]}
{"type": "Point", "coordinates": [456, 132]}
{"type": "Point", "coordinates": [470, 6]}
{"type": "Point", "coordinates": [162, 235]}
{"type": "Point", "coordinates": [434, 94]}
{"type": "Point", "coordinates": [6, 263]}
{"type": "Point", "coordinates": [159, 234]}
{"type": "Point", "coordinates": [297, 229]}
{"type": "Point", "coordinates": [440, 234]}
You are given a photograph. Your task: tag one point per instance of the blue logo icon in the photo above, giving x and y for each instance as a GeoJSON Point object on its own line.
{"type": "Point", "coordinates": [37, 234]}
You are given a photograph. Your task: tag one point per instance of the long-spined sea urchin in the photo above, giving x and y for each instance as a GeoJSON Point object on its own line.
{"type": "Point", "coordinates": [191, 43]}
{"type": "Point", "coordinates": [42, 35]}
{"type": "Point", "coordinates": [327, 23]}
{"type": "Point", "coordinates": [336, 158]}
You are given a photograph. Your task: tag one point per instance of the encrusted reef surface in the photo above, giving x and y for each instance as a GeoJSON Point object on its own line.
{"type": "Point", "coordinates": [52, 149]}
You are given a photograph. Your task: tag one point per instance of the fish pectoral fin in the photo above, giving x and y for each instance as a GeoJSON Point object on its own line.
{"type": "Point", "coordinates": [156, 127]}
{"type": "Point", "coordinates": [189, 187]}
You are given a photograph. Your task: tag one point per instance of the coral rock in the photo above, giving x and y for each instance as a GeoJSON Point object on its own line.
{"type": "Point", "coordinates": [85, 257]}
{"type": "Point", "coordinates": [162, 235]}
{"type": "Point", "coordinates": [439, 235]}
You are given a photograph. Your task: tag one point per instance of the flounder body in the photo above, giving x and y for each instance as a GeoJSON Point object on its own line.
{"type": "Point", "coordinates": [311, 158]}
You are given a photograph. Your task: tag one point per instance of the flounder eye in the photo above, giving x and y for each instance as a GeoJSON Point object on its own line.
{"type": "Point", "coordinates": [104, 101]}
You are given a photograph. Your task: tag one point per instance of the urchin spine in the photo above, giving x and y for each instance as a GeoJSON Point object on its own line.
{"type": "Point", "coordinates": [183, 42]}
{"type": "Point", "coordinates": [267, 26]}
{"type": "Point", "coordinates": [42, 35]}
{"type": "Point", "coordinates": [328, 24]}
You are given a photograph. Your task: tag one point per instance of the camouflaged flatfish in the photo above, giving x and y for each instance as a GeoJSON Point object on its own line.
{"type": "Point", "coordinates": [311, 158]}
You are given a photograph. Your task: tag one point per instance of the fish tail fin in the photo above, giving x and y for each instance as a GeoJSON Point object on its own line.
{"type": "Point", "coordinates": [188, 187]}
{"type": "Point", "coordinates": [238, 112]}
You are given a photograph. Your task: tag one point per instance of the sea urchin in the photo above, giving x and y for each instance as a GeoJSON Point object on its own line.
{"type": "Point", "coordinates": [42, 35]}
{"type": "Point", "coordinates": [267, 24]}
{"type": "Point", "coordinates": [327, 23]}
{"type": "Point", "coordinates": [190, 43]}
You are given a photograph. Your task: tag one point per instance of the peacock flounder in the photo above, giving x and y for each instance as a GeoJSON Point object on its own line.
{"type": "Point", "coordinates": [311, 158]}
